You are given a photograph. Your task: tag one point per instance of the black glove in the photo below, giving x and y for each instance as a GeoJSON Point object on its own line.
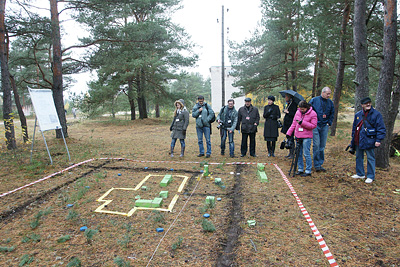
{"type": "Point", "coordinates": [184, 132]}
{"type": "Point", "coordinates": [288, 137]}
{"type": "Point", "coordinates": [300, 122]}
{"type": "Point", "coordinates": [170, 128]}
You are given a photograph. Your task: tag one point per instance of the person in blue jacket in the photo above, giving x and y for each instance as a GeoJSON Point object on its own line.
{"type": "Point", "coordinates": [203, 114]}
{"type": "Point", "coordinates": [325, 110]}
{"type": "Point", "coordinates": [367, 134]}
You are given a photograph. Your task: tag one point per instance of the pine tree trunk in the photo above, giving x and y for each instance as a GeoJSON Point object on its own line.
{"type": "Point", "coordinates": [341, 66]}
{"type": "Point", "coordinates": [141, 96]}
{"type": "Point", "coordinates": [386, 76]}
{"type": "Point", "coordinates": [360, 52]}
{"type": "Point", "coordinates": [320, 70]}
{"type": "Point", "coordinates": [131, 99]}
{"type": "Point", "coordinates": [57, 69]}
{"type": "Point", "coordinates": [21, 114]}
{"type": "Point", "coordinates": [157, 108]}
{"type": "Point", "coordinates": [316, 61]}
{"type": "Point", "coordinates": [286, 72]}
{"type": "Point", "coordinates": [5, 83]}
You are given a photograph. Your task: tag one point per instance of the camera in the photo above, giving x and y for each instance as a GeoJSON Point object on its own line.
{"type": "Point", "coordinates": [219, 125]}
{"type": "Point", "coordinates": [350, 149]}
{"type": "Point", "coordinates": [289, 143]}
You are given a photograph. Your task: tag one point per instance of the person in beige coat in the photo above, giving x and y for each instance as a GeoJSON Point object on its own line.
{"type": "Point", "coordinates": [179, 125]}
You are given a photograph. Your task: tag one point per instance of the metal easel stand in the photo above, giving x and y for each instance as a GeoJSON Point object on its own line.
{"type": "Point", "coordinates": [47, 148]}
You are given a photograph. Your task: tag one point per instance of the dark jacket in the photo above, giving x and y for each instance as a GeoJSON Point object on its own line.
{"type": "Point", "coordinates": [322, 107]}
{"type": "Point", "coordinates": [374, 124]}
{"type": "Point", "coordinates": [271, 115]}
{"type": "Point", "coordinates": [224, 118]}
{"type": "Point", "coordinates": [247, 117]}
{"type": "Point", "coordinates": [288, 119]}
{"type": "Point", "coordinates": [204, 117]}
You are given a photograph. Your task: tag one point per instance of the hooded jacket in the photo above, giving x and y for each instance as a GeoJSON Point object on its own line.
{"type": "Point", "coordinates": [310, 121]}
{"type": "Point", "coordinates": [180, 121]}
{"type": "Point", "coordinates": [373, 123]}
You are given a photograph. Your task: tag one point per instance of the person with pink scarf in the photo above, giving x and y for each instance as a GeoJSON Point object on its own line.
{"type": "Point", "coordinates": [305, 120]}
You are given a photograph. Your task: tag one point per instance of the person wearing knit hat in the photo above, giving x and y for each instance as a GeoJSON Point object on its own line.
{"type": "Point", "coordinates": [179, 125]}
{"type": "Point", "coordinates": [271, 115]}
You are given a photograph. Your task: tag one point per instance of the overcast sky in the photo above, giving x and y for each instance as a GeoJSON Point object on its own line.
{"type": "Point", "coordinates": [200, 18]}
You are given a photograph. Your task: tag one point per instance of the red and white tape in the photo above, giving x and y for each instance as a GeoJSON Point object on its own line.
{"type": "Point", "coordinates": [45, 178]}
{"type": "Point", "coordinates": [314, 228]}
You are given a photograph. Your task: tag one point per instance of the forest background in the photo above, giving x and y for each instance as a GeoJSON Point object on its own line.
{"type": "Point", "coordinates": [140, 56]}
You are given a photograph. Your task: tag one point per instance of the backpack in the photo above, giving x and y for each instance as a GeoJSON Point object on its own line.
{"type": "Point", "coordinates": [213, 118]}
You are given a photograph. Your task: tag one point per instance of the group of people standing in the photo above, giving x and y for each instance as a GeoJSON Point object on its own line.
{"type": "Point", "coordinates": [307, 122]}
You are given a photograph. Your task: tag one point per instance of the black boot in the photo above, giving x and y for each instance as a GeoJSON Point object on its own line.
{"type": "Point", "coordinates": [182, 152]}
{"type": "Point", "coordinates": [273, 149]}
{"type": "Point", "coordinates": [172, 151]}
{"type": "Point", "coordinates": [269, 148]}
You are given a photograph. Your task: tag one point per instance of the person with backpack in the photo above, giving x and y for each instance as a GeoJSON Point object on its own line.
{"type": "Point", "coordinates": [249, 118]}
{"type": "Point", "coordinates": [204, 116]}
{"type": "Point", "coordinates": [227, 120]}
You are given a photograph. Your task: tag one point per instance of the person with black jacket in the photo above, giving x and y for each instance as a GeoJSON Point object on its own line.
{"type": "Point", "coordinates": [249, 118]}
{"type": "Point", "coordinates": [290, 110]}
{"type": "Point", "coordinates": [271, 115]}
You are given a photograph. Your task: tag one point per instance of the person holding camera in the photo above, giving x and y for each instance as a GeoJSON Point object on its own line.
{"type": "Point", "coordinates": [227, 120]}
{"type": "Point", "coordinates": [305, 120]}
{"type": "Point", "coordinates": [203, 114]}
{"type": "Point", "coordinates": [271, 115]}
{"type": "Point", "coordinates": [367, 134]}
{"type": "Point", "coordinates": [249, 118]}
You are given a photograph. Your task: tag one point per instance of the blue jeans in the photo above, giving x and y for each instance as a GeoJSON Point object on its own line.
{"type": "Point", "coordinates": [207, 135]}
{"type": "Point", "coordinates": [305, 150]}
{"type": "Point", "coordinates": [320, 135]}
{"type": "Point", "coordinates": [226, 133]}
{"type": "Point", "coordinates": [370, 162]}
{"type": "Point", "coordinates": [174, 141]}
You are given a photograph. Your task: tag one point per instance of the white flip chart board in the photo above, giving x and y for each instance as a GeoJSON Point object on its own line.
{"type": "Point", "coordinates": [46, 113]}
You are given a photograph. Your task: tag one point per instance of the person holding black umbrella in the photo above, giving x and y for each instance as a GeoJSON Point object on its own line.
{"type": "Point", "coordinates": [271, 115]}
{"type": "Point", "coordinates": [289, 110]}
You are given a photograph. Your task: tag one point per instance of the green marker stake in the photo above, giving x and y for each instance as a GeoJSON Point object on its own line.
{"type": "Point", "coordinates": [206, 171]}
